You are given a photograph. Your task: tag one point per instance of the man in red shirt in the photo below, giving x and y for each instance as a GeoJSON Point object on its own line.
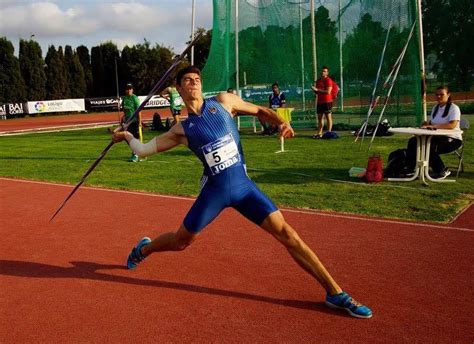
{"type": "Point", "coordinates": [323, 89]}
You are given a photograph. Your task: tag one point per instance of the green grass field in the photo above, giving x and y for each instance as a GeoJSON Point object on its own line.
{"type": "Point", "coordinates": [311, 174]}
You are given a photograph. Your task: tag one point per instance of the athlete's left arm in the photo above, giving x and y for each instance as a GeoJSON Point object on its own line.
{"type": "Point", "coordinates": [235, 104]}
{"type": "Point", "coordinates": [172, 138]}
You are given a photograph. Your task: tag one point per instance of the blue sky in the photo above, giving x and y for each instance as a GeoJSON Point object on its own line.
{"type": "Point", "coordinates": [90, 22]}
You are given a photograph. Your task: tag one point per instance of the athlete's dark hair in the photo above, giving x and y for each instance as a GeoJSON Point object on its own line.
{"type": "Point", "coordinates": [325, 67]}
{"type": "Point", "coordinates": [186, 70]}
{"type": "Point", "coordinates": [275, 84]}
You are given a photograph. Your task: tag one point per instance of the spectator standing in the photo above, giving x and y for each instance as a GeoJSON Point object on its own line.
{"type": "Point", "coordinates": [322, 89]}
{"type": "Point", "coordinates": [130, 104]}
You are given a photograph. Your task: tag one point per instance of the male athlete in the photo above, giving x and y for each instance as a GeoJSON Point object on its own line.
{"type": "Point", "coordinates": [212, 135]}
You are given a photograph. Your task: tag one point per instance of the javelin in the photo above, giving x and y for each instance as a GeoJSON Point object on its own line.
{"type": "Point", "coordinates": [392, 83]}
{"type": "Point", "coordinates": [176, 61]}
{"type": "Point", "coordinates": [374, 100]}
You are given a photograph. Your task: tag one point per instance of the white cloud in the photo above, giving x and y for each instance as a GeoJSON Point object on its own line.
{"type": "Point", "coordinates": [87, 22]}
{"type": "Point", "coordinates": [125, 17]}
{"type": "Point", "coordinates": [45, 19]}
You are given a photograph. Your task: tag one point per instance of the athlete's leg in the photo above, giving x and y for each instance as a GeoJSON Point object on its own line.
{"type": "Point", "coordinates": [329, 118]}
{"type": "Point", "coordinates": [171, 241]}
{"type": "Point", "coordinates": [320, 124]}
{"type": "Point", "coordinates": [276, 225]}
{"type": "Point", "coordinates": [176, 118]}
{"type": "Point", "coordinates": [205, 209]}
{"type": "Point", "coordinates": [134, 130]}
{"type": "Point", "coordinates": [252, 203]}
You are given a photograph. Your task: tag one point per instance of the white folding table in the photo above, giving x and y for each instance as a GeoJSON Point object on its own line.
{"type": "Point", "coordinates": [423, 144]}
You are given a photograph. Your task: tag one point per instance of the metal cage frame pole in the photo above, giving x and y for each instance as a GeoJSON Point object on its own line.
{"type": "Point", "coordinates": [315, 62]}
{"type": "Point", "coordinates": [422, 58]}
{"type": "Point", "coordinates": [193, 17]}
{"type": "Point", "coordinates": [313, 41]}
{"type": "Point", "coordinates": [118, 93]}
{"type": "Point", "coordinates": [302, 58]}
{"type": "Point", "coordinates": [341, 68]}
{"type": "Point", "coordinates": [237, 81]}
{"type": "Point", "coordinates": [237, 71]}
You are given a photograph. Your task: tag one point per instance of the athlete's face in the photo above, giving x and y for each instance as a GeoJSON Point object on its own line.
{"type": "Point", "coordinates": [324, 72]}
{"type": "Point", "coordinates": [190, 85]}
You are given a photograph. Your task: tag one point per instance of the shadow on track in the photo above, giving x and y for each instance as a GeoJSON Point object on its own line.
{"type": "Point", "coordinates": [89, 270]}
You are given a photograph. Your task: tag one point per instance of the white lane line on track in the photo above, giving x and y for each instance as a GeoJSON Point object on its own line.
{"type": "Point", "coordinates": [419, 224]}
{"type": "Point", "coordinates": [57, 129]}
{"type": "Point", "coordinates": [306, 212]}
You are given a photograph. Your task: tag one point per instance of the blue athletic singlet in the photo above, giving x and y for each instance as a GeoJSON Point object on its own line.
{"type": "Point", "coordinates": [214, 138]}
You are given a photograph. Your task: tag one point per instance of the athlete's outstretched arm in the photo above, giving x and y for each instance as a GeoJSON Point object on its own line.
{"type": "Point", "coordinates": [235, 104]}
{"type": "Point", "coordinates": [164, 142]}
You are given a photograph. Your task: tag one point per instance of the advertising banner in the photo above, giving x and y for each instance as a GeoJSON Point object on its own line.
{"type": "Point", "coordinates": [155, 102]}
{"type": "Point", "coordinates": [101, 104]}
{"type": "Point", "coordinates": [12, 110]}
{"type": "Point", "coordinates": [62, 105]}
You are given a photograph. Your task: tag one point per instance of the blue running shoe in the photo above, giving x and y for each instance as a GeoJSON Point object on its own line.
{"type": "Point", "coordinates": [344, 301]}
{"type": "Point", "coordinates": [136, 257]}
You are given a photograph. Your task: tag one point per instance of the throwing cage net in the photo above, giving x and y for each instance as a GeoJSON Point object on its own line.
{"type": "Point", "coordinates": [371, 48]}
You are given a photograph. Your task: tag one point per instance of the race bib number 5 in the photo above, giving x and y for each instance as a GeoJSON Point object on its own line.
{"type": "Point", "coordinates": [221, 154]}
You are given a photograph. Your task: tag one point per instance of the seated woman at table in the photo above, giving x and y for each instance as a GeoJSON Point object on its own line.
{"type": "Point", "coordinates": [444, 115]}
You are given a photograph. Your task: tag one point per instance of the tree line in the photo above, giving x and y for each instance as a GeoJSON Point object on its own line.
{"type": "Point", "coordinates": [448, 51]}
{"type": "Point", "coordinates": [80, 73]}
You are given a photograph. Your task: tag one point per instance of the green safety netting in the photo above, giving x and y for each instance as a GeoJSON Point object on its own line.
{"type": "Point", "coordinates": [275, 44]}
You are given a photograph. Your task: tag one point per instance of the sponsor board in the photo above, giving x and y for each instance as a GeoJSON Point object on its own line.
{"type": "Point", "coordinates": [102, 104]}
{"type": "Point", "coordinates": [11, 110]}
{"type": "Point", "coordinates": [155, 102]}
{"type": "Point", "coordinates": [63, 105]}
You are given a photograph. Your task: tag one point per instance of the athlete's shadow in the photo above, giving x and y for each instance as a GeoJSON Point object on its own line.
{"type": "Point", "coordinates": [89, 270]}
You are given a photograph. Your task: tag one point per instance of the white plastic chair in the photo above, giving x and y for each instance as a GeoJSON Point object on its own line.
{"type": "Point", "coordinates": [464, 126]}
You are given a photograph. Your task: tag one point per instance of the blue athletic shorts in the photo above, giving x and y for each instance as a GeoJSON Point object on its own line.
{"type": "Point", "coordinates": [219, 193]}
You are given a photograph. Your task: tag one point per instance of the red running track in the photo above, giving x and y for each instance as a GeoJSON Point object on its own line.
{"type": "Point", "coordinates": [65, 281]}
